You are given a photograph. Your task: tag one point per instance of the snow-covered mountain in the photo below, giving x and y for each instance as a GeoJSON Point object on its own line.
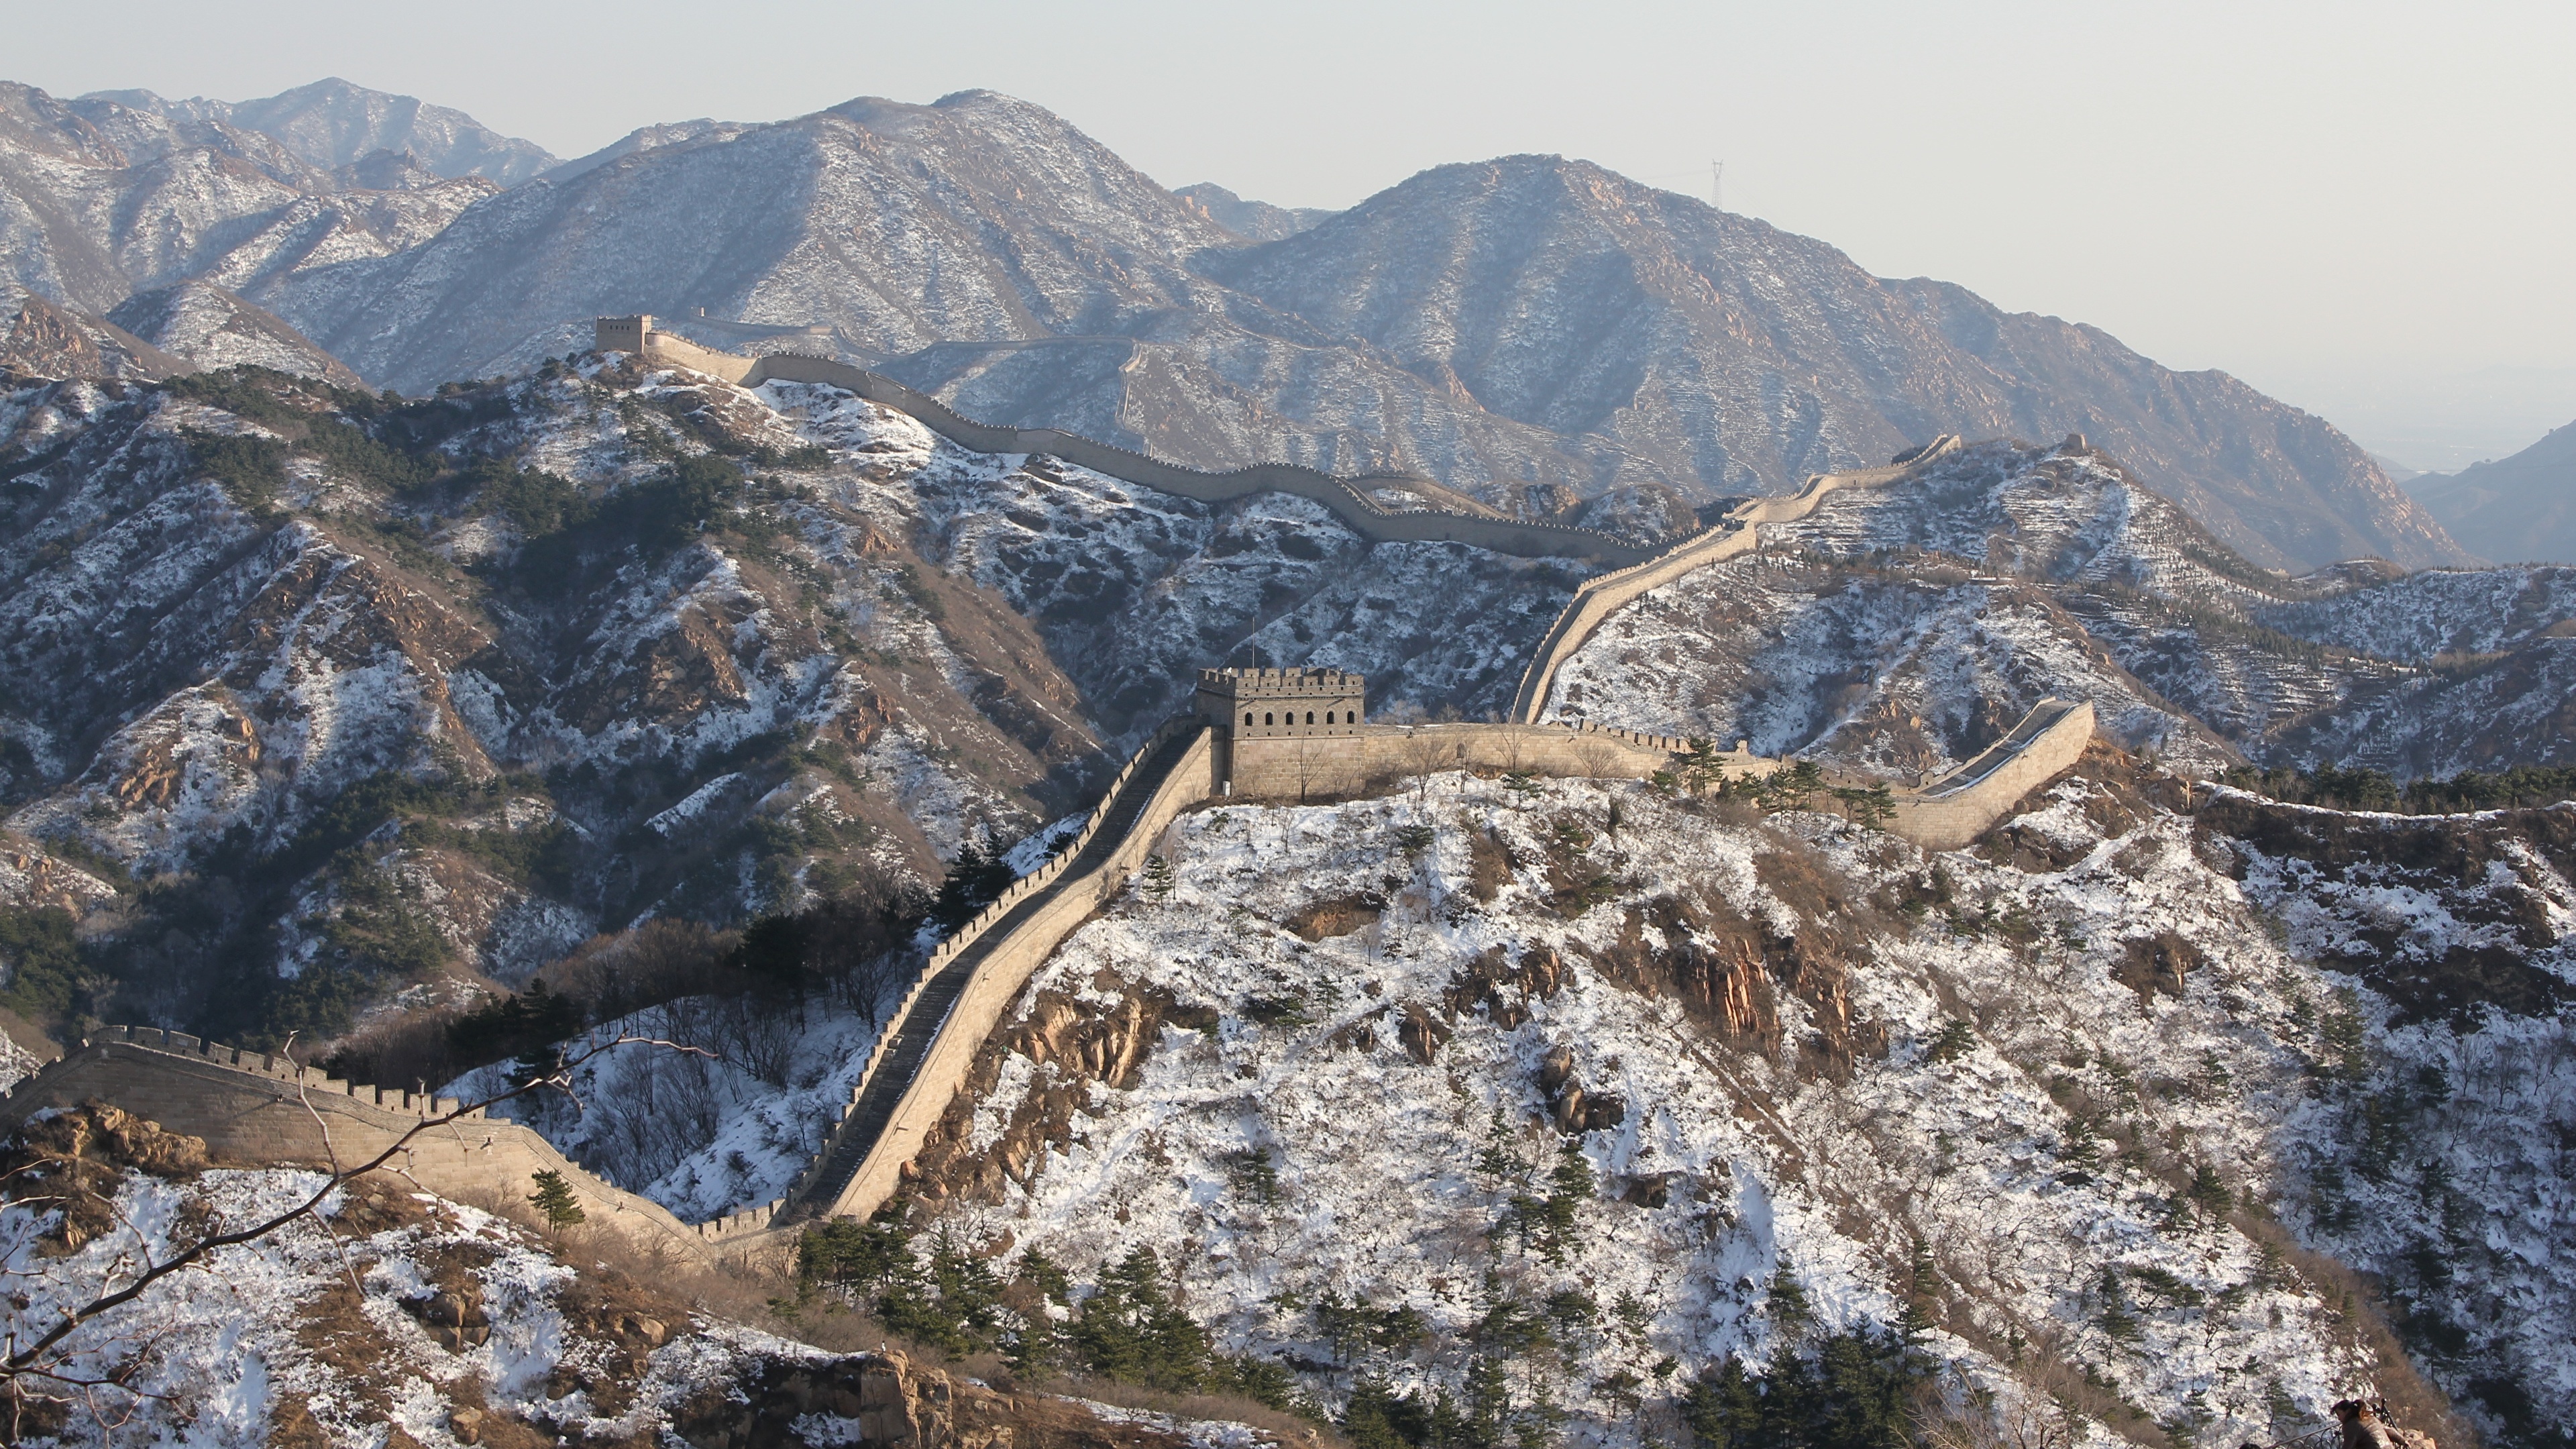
{"type": "Point", "coordinates": [329, 712]}
{"type": "Point", "coordinates": [100, 200]}
{"type": "Point", "coordinates": [1857, 636]}
{"type": "Point", "coordinates": [592, 672]}
{"type": "Point", "coordinates": [1524, 321]}
{"type": "Point", "coordinates": [1665, 340]}
{"type": "Point", "coordinates": [1251, 220]}
{"type": "Point", "coordinates": [391, 1316]}
{"type": "Point", "coordinates": [1557, 1102]}
{"type": "Point", "coordinates": [213, 327]}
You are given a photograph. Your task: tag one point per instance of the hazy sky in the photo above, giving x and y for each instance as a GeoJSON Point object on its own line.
{"type": "Point", "coordinates": [2366, 209]}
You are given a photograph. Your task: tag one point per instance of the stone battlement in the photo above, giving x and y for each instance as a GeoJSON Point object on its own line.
{"type": "Point", "coordinates": [1269, 683]}
{"type": "Point", "coordinates": [1259, 703]}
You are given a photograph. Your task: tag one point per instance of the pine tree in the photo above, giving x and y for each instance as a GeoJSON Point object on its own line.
{"type": "Point", "coordinates": [2209, 1191]}
{"type": "Point", "coordinates": [1724, 1408]}
{"type": "Point", "coordinates": [953, 1303]}
{"type": "Point", "coordinates": [852, 1255]}
{"type": "Point", "coordinates": [1700, 767]}
{"type": "Point", "coordinates": [1497, 1159]}
{"type": "Point", "coordinates": [1571, 1184]}
{"type": "Point", "coordinates": [1488, 1410]}
{"type": "Point", "coordinates": [1159, 876]}
{"type": "Point", "coordinates": [1955, 1041]}
{"type": "Point", "coordinates": [1787, 1305]}
{"type": "Point", "coordinates": [1915, 1318]}
{"type": "Point", "coordinates": [1370, 1416]}
{"type": "Point", "coordinates": [1038, 1287]}
{"type": "Point", "coordinates": [1131, 1330]}
{"type": "Point", "coordinates": [1253, 1175]}
{"type": "Point", "coordinates": [554, 1198]}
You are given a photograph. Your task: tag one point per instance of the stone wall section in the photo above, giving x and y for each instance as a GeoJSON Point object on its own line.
{"type": "Point", "coordinates": [1319, 767]}
{"type": "Point", "coordinates": [1606, 594]}
{"type": "Point", "coordinates": [1068, 899]}
{"type": "Point", "coordinates": [258, 1109]}
{"type": "Point", "coordinates": [1956, 808]}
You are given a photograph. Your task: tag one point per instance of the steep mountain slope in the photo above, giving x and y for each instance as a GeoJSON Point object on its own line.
{"type": "Point", "coordinates": [432, 691]}
{"type": "Point", "coordinates": [1556, 1109]}
{"type": "Point", "coordinates": [2522, 507]}
{"type": "Point", "coordinates": [250, 624]}
{"type": "Point", "coordinates": [393, 1316]}
{"type": "Point", "coordinates": [1856, 636]}
{"type": "Point", "coordinates": [1682, 344]}
{"type": "Point", "coordinates": [332, 123]}
{"type": "Point", "coordinates": [1556, 1098]}
{"type": "Point", "coordinates": [1251, 220]}
{"type": "Point", "coordinates": [49, 341]}
{"type": "Point", "coordinates": [901, 225]}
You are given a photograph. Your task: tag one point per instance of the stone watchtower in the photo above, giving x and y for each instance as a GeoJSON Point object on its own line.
{"type": "Point", "coordinates": [1277, 703]}
{"type": "Point", "coordinates": [1288, 732]}
{"type": "Point", "coordinates": [622, 334]}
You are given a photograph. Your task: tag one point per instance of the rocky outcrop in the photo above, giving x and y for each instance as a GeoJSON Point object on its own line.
{"type": "Point", "coordinates": [49, 341]}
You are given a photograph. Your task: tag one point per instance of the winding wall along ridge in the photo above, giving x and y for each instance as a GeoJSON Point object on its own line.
{"type": "Point", "coordinates": [1345, 497]}
{"type": "Point", "coordinates": [1597, 598]}
{"type": "Point", "coordinates": [922, 1057]}
{"type": "Point", "coordinates": [263, 1108]}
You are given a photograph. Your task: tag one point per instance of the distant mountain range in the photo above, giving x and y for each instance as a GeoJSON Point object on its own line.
{"type": "Point", "coordinates": [332, 123]}
{"type": "Point", "coordinates": [2522, 507]}
{"type": "Point", "coordinates": [1535, 330]}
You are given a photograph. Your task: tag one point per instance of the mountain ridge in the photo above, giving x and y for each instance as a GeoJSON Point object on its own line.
{"type": "Point", "coordinates": [1652, 347]}
{"type": "Point", "coordinates": [2522, 506]}
{"type": "Point", "coordinates": [331, 123]}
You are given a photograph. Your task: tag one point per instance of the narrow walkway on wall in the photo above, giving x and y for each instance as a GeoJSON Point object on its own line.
{"type": "Point", "coordinates": [858, 1134]}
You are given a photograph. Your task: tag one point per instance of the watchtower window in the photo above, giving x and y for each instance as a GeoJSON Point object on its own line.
{"type": "Point", "coordinates": [1265, 719]}
{"type": "Point", "coordinates": [1328, 716]}
{"type": "Point", "coordinates": [1247, 716]}
{"type": "Point", "coordinates": [1310, 716]}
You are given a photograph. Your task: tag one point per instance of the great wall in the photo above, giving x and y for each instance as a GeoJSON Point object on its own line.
{"type": "Point", "coordinates": [1347, 498]}
{"type": "Point", "coordinates": [261, 1108]}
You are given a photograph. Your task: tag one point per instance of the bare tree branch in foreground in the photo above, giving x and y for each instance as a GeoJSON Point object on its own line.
{"type": "Point", "coordinates": [36, 1369]}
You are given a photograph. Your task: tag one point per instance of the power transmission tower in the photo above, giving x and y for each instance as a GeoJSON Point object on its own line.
{"type": "Point", "coordinates": [1717, 186]}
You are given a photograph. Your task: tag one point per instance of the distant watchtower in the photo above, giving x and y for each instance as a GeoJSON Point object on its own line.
{"type": "Point", "coordinates": [622, 334]}
{"type": "Point", "coordinates": [1282, 703]}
